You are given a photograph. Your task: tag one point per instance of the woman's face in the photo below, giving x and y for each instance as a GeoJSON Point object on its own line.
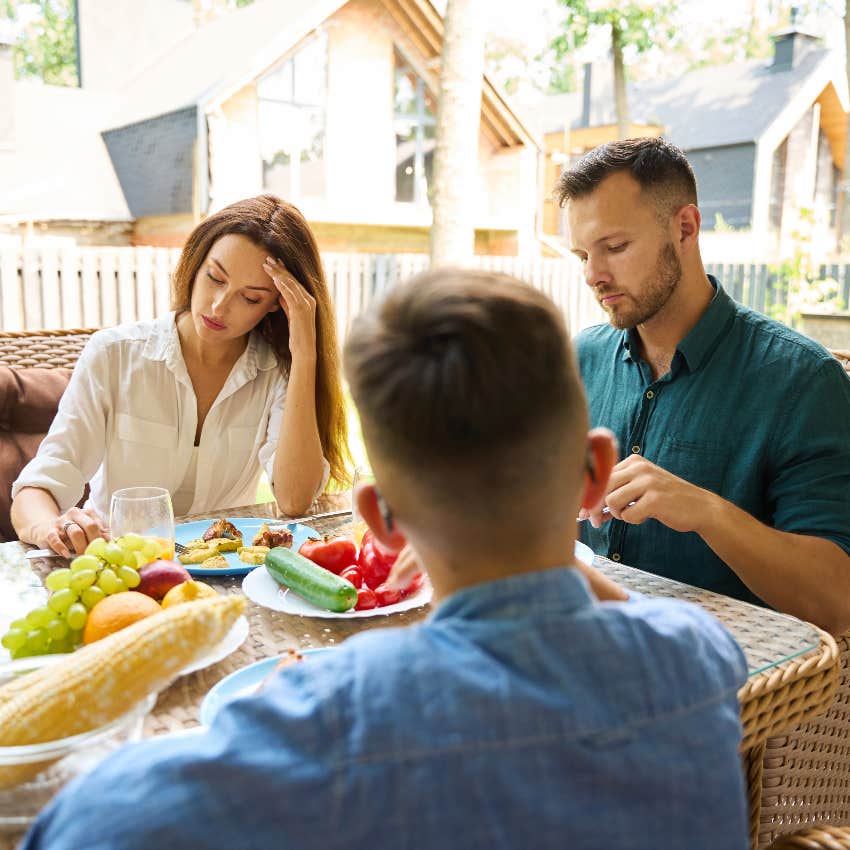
{"type": "Point", "coordinates": [232, 293]}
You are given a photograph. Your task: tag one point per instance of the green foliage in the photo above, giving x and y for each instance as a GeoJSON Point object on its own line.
{"type": "Point", "coordinates": [799, 279]}
{"type": "Point", "coordinates": [641, 24]}
{"type": "Point", "coordinates": [46, 47]}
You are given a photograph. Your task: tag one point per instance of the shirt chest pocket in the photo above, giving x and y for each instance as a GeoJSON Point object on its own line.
{"type": "Point", "coordinates": [131, 429]}
{"type": "Point", "coordinates": [700, 463]}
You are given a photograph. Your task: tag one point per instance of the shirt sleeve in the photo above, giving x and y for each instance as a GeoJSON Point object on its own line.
{"type": "Point", "coordinates": [809, 479]}
{"type": "Point", "coordinates": [73, 448]}
{"type": "Point", "coordinates": [269, 448]}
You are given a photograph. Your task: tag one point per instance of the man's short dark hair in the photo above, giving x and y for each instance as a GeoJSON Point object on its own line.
{"type": "Point", "coordinates": [659, 167]}
{"type": "Point", "coordinates": [466, 374]}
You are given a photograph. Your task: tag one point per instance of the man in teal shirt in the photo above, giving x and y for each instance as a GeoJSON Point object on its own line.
{"type": "Point", "coordinates": [734, 428]}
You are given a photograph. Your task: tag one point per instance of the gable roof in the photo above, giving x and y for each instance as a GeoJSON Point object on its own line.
{"type": "Point", "coordinates": [709, 107]}
{"type": "Point", "coordinates": [216, 60]}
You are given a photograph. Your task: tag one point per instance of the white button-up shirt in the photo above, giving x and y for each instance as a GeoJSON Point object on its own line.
{"type": "Point", "coordinates": [129, 415]}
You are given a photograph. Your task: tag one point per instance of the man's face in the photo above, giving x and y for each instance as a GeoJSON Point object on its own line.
{"type": "Point", "coordinates": [629, 259]}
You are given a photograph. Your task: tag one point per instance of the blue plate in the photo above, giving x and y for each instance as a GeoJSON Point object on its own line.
{"type": "Point", "coordinates": [242, 683]}
{"type": "Point", "coordinates": [249, 526]}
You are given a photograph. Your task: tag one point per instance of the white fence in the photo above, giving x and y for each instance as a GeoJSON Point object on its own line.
{"type": "Point", "coordinates": [53, 283]}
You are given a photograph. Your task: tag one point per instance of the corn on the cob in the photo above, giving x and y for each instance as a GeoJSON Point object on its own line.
{"type": "Point", "coordinates": [102, 681]}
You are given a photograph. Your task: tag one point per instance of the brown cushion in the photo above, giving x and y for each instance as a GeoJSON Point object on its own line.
{"type": "Point", "coordinates": [28, 402]}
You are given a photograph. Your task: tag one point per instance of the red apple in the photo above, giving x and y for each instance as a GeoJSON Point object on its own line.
{"type": "Point", "coordinates": [159, 577]}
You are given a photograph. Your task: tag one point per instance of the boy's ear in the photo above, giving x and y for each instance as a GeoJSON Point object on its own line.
{"type": "Point", "coordinates": [376, 515]}
{"type": "Point", "coordinates": [602, 455]}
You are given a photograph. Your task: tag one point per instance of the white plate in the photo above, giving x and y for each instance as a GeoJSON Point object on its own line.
{"type": "Point", "coordinates": [230, 643]}
{"type": "Point", "coordinates": [243, 682]}
{"type": "Point", "coordinates": [261, 588]}
{"type": "Point", "coordinates": [584, 553]}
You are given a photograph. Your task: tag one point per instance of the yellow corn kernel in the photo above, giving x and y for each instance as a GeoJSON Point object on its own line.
{"type": "Point", "coordinates": [102, 681]}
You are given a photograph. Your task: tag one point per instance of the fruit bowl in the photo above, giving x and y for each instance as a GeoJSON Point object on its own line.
{"type": "Point", "coordinates": [62, 759]}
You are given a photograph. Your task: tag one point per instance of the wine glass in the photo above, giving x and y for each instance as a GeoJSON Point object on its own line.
{"type": "Point", "coordinates": [146, 511]}
{"type": "Point", "coordinates": [362, 475]}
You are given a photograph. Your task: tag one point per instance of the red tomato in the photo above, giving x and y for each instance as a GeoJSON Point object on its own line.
{"type": "Point", "coordinates": [332, 553]}
{"type": "Point", "coordinates": [415, 584]}
{"type": "Point", "coordinates": [373, 562]}
{"type": "Point", "coordinates": [353, 575]}
{"type": "Point", "coordinates": [365, 599]}
{"type": "Point", "coordinates": [386, 595]}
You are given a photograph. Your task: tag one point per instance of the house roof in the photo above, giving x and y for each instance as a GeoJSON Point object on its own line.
{"type": "Point", "coordinates": [58, 167]}
{"type": "Point", "coordinates": [709, 107]}
{"type": "Point", "coordinates": [234, 47]}
{"type": "Point", "coordinates": [216, 60]}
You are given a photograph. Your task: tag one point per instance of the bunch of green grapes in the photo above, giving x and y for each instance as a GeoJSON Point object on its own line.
{"type": "Point", "coordinates": [105, 568]}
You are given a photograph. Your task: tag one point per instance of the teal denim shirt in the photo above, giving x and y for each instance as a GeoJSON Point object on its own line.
{"type": "Point", "coordinates": [750, 409]}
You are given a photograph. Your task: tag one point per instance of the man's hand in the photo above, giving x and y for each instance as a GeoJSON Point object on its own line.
{"type": "Point", "coordinates": [403, 570]}
{"type": "Point", "coordinates": [639, 490]}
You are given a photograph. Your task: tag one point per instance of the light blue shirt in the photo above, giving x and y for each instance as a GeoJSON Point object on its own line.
{"type": "Point", "coordinates": [522, 714]}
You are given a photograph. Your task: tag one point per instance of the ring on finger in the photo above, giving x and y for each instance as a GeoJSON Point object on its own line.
{"type": "Point", "coordinates": [65, 526]}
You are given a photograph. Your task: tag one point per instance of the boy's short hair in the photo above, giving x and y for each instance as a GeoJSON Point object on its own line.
{"type": "Point", "coordinates": [660, 167]}
{"type": "Point", "coordinates": [466, 373]}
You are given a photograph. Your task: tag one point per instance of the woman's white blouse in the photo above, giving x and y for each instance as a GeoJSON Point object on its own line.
{"type": "Point", "coordinates": [129, 415]}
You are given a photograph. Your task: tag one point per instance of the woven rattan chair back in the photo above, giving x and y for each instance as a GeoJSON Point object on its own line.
{"type": "Point", "coordinates": [823, 838]}
{"type": "Point", "coordinates": [806, 774]}
{"type": "Point", "coordinates": [47, 349]}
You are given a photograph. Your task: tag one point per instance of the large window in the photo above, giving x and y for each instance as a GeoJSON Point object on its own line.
{"type": "Point", "coordinates": [414, 121]}
{"type": "Point", "coordinates": [292, 101]}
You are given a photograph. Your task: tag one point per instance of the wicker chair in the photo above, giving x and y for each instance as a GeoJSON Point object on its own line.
{"type": "Point", "coordinates": [823, 838]}
{"type": "Point", "coordinates": [806, 773]}
{"type": "Point", "coordinates": [47, 349]}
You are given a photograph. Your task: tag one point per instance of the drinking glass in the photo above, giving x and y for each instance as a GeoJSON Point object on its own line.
{"type": "Point", "coordinates": [362, 475]}
{"type": "Point", "coordinates": [146, 511]}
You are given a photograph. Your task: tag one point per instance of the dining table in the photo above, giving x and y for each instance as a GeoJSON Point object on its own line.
{"type": "Point", "coordinates": [793, 666]}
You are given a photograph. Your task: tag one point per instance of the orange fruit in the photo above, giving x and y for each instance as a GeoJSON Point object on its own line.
{"type": "Point", "coordinates": [117, 611]}
{"type": "Point", "coordinates": [187, 591]}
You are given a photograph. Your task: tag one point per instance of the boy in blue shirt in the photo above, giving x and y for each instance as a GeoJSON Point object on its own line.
{"type": "Point", "coordinates": [537, 706]}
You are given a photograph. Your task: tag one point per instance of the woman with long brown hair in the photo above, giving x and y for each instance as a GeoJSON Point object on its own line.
{"type": "Point", "coordinates": [243, 376]}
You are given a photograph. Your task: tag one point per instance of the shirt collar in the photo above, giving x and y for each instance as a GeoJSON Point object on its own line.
{"type": "Point", "coordinates": [164, 344]}
{"type": "Point", "coordinates": [524, 595]}
{"type": "Point", "coordinates": [700, 342]}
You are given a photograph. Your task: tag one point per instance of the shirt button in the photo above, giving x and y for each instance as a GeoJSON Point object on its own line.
{"type": "Point", "coordinates": [615, 556]}
{"type": "Point", "coordinates": [650, 394]}
{"type": "Point", "coordinates": [636, 450]}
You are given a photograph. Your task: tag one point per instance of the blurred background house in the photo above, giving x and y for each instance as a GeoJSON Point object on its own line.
{"type": "Point", "coordinates": [185, 107]}
{"type": "Point", "coordinates": [767, 140]}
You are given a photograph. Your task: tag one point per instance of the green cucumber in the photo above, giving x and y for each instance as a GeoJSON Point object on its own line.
{"type": "Point", "coordinates": [314, 583]}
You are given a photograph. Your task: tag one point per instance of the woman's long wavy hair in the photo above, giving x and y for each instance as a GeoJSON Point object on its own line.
{"type": "Point", "coordinates": [281, 230]}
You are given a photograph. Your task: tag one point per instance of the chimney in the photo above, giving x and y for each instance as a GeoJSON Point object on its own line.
{"type": "Point", "coordinates": [7, 95]}
{"type": "Point", "coordinates": [585, 100]}
{"type": "Point", "coordinates": [791, 44]}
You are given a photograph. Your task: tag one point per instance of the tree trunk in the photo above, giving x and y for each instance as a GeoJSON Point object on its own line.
{"type": "Point", "coordinates": [621, 99]}
{"type": "Point", "coordinates": [842, 202]}
{"type": "Point", "coordinates": [458, 124]}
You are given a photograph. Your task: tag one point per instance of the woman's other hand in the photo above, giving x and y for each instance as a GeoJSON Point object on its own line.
{"type": "Point", "coordinates": [70, 532]}
{"type": "Point", "coordinates": [299, 307]}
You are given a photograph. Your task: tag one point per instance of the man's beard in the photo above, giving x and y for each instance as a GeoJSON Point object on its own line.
{"type": "Point", "coordinates": [654, 293]}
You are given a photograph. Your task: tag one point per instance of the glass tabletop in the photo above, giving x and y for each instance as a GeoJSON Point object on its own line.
{"type": "Point", "coordinates": [767, 637]}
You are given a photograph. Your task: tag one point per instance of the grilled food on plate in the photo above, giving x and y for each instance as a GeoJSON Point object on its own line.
{"type": "Point", "coordinates": [253, 554]}
{"type": "Point", "coordinates": [272, 537]}
{"type": "Point", "coordinates": [223, 528]}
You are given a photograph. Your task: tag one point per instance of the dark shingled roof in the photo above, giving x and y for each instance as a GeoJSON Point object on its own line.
{"type": "Point", "coordinates": [709, 107]}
